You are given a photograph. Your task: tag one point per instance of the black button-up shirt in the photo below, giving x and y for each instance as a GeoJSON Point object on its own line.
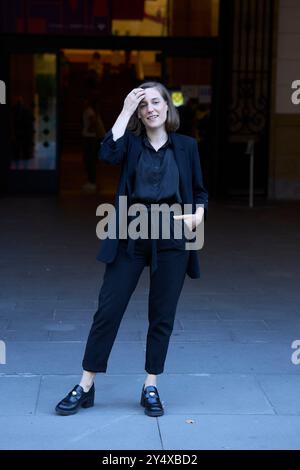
{"type": "Point", "coordinates": [157, 176]}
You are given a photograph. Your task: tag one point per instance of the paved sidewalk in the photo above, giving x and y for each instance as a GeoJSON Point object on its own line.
{"type": "Point", "coordinates": [229, 381]}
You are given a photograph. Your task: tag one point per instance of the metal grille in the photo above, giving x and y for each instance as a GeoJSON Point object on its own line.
{"type": "Point", "coordinates": [251, 68]}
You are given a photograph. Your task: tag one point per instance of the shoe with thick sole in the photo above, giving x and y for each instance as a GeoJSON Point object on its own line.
{"type": "Point", "coordinates": [151, 402]}
{"type": "Point", "coordinates": [76, 399]}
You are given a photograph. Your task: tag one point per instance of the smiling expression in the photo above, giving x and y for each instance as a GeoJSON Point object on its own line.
{"type": "Point", "coordinates": [152, 110]}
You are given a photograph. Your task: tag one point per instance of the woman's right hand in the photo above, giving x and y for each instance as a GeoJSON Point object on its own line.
{"type": "Point", "coordinates": [133, 99]}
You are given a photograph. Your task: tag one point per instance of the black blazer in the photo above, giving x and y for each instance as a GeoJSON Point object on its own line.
{"type": "Point", "coordinates": [125, 151]}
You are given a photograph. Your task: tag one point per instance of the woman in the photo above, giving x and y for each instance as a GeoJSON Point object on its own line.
{"type": "Point", "coordinates": [158, 166]}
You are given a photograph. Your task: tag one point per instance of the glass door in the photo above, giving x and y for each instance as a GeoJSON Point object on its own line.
{"type": "Point", "coordinates": [33, 122]}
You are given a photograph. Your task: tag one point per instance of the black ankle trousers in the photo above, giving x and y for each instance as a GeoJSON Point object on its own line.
{"type": "Point", "coordinates": [119, 282]}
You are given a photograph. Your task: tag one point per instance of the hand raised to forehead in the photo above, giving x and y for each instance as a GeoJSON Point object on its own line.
{"type": "Point", "coordinates": [133, 99]}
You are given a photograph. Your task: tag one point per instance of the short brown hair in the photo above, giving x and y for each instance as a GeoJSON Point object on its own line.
{"type": "Point", "coordinates": [172, 122]}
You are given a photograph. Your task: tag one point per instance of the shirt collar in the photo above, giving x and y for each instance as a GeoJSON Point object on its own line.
{"type": "Point", "coordinates": [148, 144]}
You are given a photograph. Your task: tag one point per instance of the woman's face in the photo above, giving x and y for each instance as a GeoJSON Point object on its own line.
{"type": "Point", "coordinates": [152, 110]}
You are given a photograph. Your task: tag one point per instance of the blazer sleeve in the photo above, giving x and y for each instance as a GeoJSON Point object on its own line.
{"type": "Point", "coordinates": [199, 192]}
{"type": "Point", "coordinates": [113, 152]}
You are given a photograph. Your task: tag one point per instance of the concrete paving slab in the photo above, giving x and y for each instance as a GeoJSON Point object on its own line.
{"type": "Point", "coordinates": [17, 336]}
{"type": "Point", "coordinates": [6, 304]}
{"type": "Point", "coordinates": [193, 394]}
{"type": "Point", "coordinates": [292, 326]}
{"type": "Point", "coordinates": [87, 432]}
{"type": "Point", "coordinates": [66, 357]}
{"type": "Point", "coordinates": [3, 324]}
{"type": "Point", "coordinates": [282, 392]}
{"type": "Point", "coordinates": [18, 395]}
{"type": "Point", "coordinates": [270, 314]}
{"type": "Point", "coordinates": [81, 334]}
{"type": "Point", "coordinates": [231, 432]}
{"type": "Point", "coordinates": [213, 335]}
{"type": "Point", "coordinates": [246, 324]}
{"type": "Point", "coordinates": [85, 314]}
{"type": "Point", "coordinates": [230, 357]}
{"type": "Point", "coordinates": [263, 336]}
{"type": "Point", "coordinates": [79, 302]}
{"type": "Point", "coordinates": [33, 315]}
{"type": "Point", "coordinates": [35, 306]}
{"type": "Point", "coordinates": [196, 314]}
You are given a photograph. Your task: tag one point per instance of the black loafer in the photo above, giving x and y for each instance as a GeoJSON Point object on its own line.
{"type": "Point", "coordinates": [151, 402]}
{"type": "Point", "coordinates": [75, 399]}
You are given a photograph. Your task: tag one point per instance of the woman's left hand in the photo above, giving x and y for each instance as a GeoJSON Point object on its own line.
{"type": "Point", "coordinates": [191, 220]}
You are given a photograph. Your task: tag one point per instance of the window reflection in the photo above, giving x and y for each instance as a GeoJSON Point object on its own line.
{"type": "Point", "coordinates": [33, 112]}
